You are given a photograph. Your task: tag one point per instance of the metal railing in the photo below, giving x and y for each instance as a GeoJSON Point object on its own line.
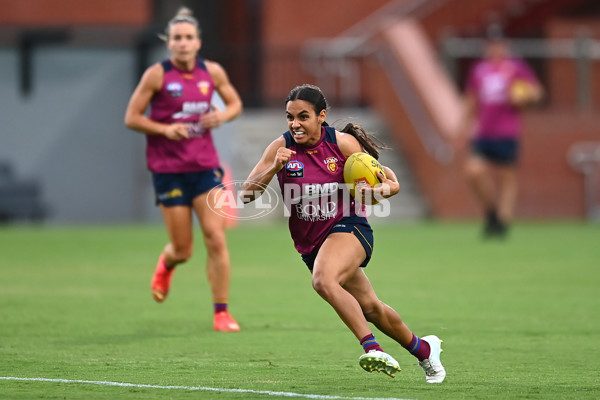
{"type": "Point", "coordinates": [584, 157]}
{"type": "Point", "coordinates": [582, 50]}
{"type": "Point", "coordinates": [333, 60]}
{"type": "Point", "coordinates": [334, 63]}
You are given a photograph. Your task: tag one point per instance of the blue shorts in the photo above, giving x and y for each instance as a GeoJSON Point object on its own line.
{"type": "Point", "coordinates": [181, 189]}
{"type": "Point", "coordinates": [497, 151]}
{"type": "Point", "coordinates": [353, 224]}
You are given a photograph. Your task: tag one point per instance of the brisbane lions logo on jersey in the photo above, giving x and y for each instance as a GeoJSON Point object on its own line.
{"type": "Point", "coordinates": [331, 163]}
{"type": "Point", "coordinates": [203, 86]}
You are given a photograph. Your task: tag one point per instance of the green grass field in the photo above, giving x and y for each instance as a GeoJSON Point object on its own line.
{"type": "Point", "coordinates": [519, 319]}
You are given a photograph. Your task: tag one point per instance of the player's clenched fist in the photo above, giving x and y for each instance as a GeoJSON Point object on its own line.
{"type": "Point", "coordinates": [282, 157]}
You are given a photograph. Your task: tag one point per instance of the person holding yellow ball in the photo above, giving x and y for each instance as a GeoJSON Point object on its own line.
{"type": "Point", "coordinates": [333, 237]}
{"type": "Point", "coordinates": [498, 88]}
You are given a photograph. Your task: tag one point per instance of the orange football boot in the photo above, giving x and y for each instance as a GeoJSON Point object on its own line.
{"type": "Point", "coordinates": [223, 322]}
{"type": "Point", "coordinates": [161, 281]}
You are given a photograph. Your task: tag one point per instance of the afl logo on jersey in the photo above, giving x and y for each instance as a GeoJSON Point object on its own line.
{"type": "Point", "coordinates": [294, 169]}
{"type": "Point", "coordinates": [174, 89]}
{"type": "Point", "coordinates": [331, 163]}
{"type": "Point", "coordinates": [203, 86]}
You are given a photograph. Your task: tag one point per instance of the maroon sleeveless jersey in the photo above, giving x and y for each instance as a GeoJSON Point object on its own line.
{"type": "Point", "coordinates": [313, 189]}
{"type": "Point", "coordinates": [183, 97]}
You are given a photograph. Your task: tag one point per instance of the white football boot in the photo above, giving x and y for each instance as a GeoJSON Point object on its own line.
{"type": "Point", "coordinates": [434, 370]}
{"type": "Point", "coordinates": [379, 361]}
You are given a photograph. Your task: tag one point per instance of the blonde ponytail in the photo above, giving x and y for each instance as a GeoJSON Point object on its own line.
{"type": "Point", "coordinates": [184, 14]}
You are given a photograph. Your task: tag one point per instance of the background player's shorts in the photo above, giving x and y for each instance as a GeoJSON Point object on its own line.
{"type": "Point", "coordinates": [498, 151]}
{"type": "Point", "coordinates": [181, 189]}
{"type": "Point", "coordinates": [353, 224]}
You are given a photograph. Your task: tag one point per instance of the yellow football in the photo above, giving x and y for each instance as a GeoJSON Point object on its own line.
{"type": "Point", "coordinates": [520, 92]}
{"type": "Point", "coordinates": [361, 168]}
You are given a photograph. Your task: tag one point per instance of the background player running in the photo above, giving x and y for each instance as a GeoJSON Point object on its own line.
{"type": "Point", "coordinates": [498, 87]}
{"type": "Point", "coordinates": [182, 157]}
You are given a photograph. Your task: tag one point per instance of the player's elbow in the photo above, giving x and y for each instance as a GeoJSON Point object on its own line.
{"type": "Point", "coordinates": [237, 108]}
{"type": "Point", "coordinates": [129, 121]}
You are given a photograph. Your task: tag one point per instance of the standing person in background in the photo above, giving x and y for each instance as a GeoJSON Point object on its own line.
{"type": "Point", "coordinates": [336, 241]}
{"type": "Point", "coordinates": [182, 157]}
{"type": "Point", "coordinates": [498, 87]}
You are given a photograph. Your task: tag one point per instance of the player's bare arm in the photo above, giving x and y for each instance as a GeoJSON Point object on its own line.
{"type": "Point", "coordinates": [389, 185]}
{"type": "Point", "coordinates": [274, 158]}
{"type": "Point", "coordinates": [532, 94]}
{"type": "Point", "coordinates": [348, 144]}
{"type": "Point", "coordinates": [150, 83]}
{"type": "Point", "coordinates": [230, 96]}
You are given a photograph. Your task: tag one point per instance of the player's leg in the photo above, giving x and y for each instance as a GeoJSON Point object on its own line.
{"type": "Point", "coordinates": [385, 318]}
{"type": "Point", "coordinates": [478, 175]}
{"type": "Point", "coordinates": [178, 221]}
{"type": "Point", "coordinates": [426, 349]}
{"type": "Point", "coordinates": [508, 188]}
{"type": "Point", "coordinates": [508, 153]}
{"type": "Point", "coordinates": [478, 171]}
{"type": "Point", "coordinates": [213, 230]}
{"type": "Point", "coordinates": [218, 264]}
{"type": "Point", "coordinates": [177, 214]}
{"type": "Point", "coordinates": [337, 261]}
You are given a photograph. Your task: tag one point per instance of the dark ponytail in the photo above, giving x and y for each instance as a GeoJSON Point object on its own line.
{"type": "Point", "coordinates": [368, 142]}
{"type": "Point", "coordinates": [314, 96]}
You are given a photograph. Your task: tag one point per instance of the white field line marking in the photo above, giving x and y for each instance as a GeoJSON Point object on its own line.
{"type": "Point", "coordinates": [195, 388]}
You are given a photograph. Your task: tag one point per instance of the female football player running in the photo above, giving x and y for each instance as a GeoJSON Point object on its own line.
{"type": "Point", "coordinates": [329, 229]}
{"type": "Point", "coordinates": [182, 157]}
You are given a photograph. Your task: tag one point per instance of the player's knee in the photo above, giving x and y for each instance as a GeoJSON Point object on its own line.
{"type": "Point", "coordinates": [322, 286]}
{"type": "Point", "coordinates": [182, 254]}
{"type": "Point", "coordinates": [473, 171]}
{"type": "Point", "coordinates": [215, 242]}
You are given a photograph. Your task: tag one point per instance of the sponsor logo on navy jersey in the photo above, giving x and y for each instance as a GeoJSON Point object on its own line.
{"type": "Point", "coordinates": [174, 89]}
{"type": "Point", "coordinates": [294, 169]}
